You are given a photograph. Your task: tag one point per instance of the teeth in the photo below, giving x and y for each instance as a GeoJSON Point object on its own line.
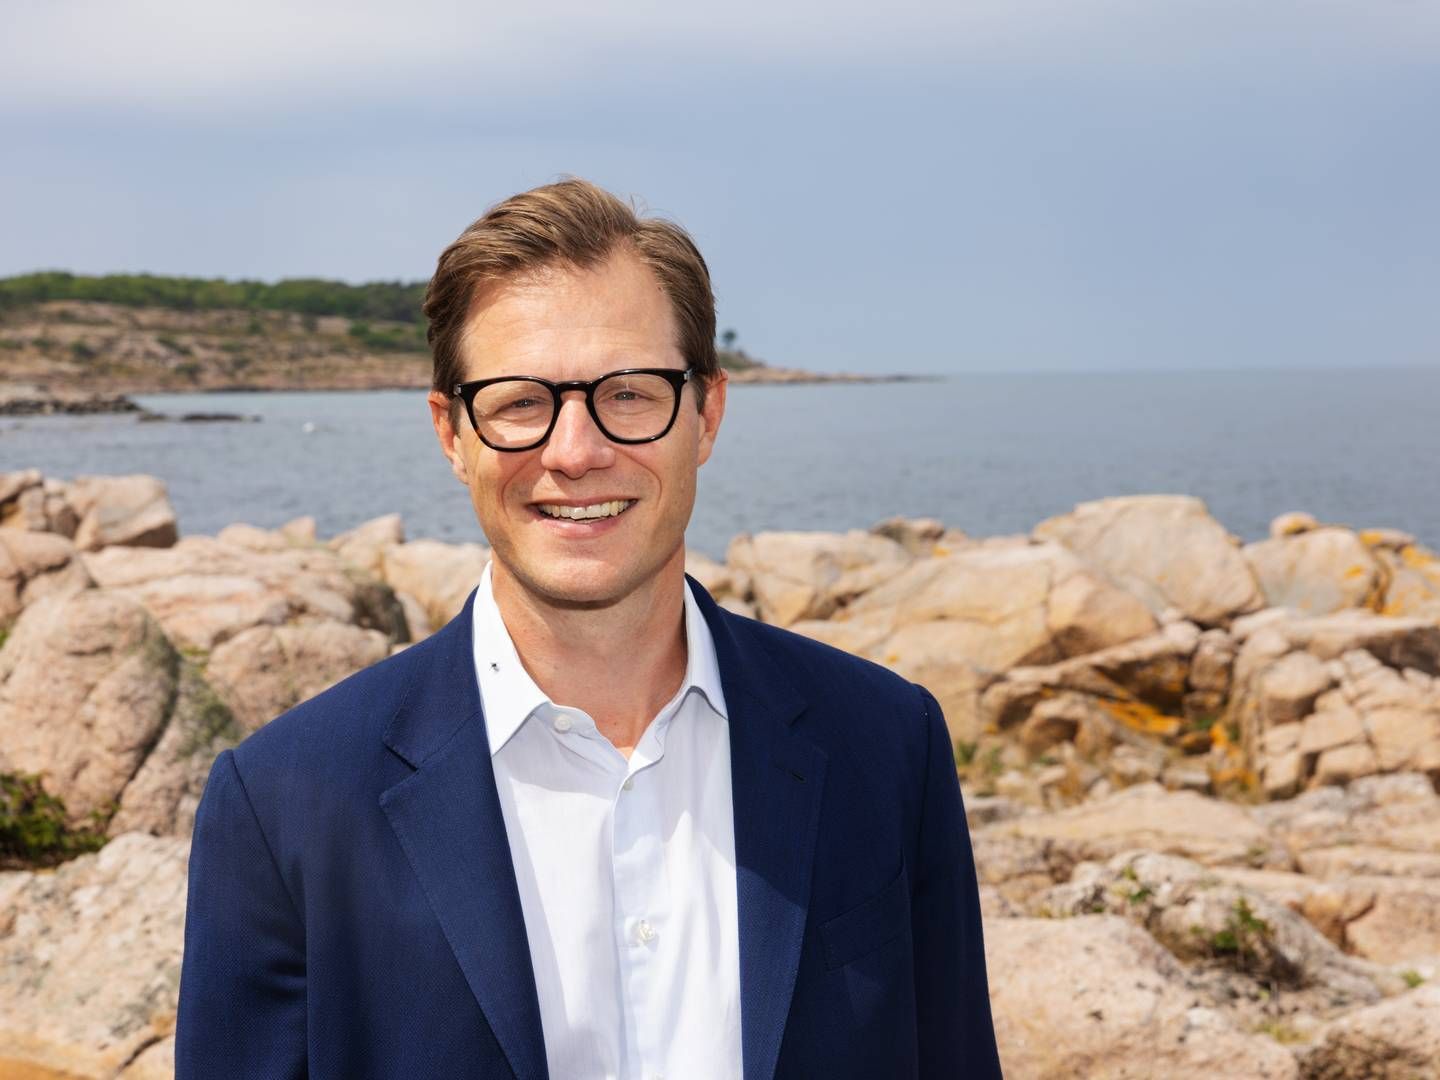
{"type": "Point", "coordinates": [586, 513]}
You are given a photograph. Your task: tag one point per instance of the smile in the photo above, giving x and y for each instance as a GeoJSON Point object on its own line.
{"type": "Point", "coordinates": [586, 513]}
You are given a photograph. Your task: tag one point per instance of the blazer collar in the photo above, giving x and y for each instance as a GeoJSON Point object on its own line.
{"type": "Point", "coordinates": [447, 818]}
{"type": "Point", "coordinates": [777, 776]}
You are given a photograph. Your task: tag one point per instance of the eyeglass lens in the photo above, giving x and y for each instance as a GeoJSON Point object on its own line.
{"type": "Point", "coordinates": [517, 412]}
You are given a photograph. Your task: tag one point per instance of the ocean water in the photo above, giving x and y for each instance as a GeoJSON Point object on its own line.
{"type": "Point", "coordinates": [989, 454]}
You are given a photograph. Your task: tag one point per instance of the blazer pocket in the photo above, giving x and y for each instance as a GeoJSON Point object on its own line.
{"type": "Point", "coordinates": [867, 926]}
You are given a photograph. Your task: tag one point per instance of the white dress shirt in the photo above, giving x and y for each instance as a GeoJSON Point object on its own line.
{"type": "Point", "coordinates": [626, 868]}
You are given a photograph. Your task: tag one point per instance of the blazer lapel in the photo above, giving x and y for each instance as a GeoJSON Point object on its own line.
{"type": "Point", "coordinates": [447, 817]}
{"type": "Point", "coordinates": [777, 778]}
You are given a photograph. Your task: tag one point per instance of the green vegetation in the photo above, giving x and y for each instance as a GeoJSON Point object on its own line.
{"type": "Point", "coordinates": [1242, 935]}
{"type": "Point", "coordinates": [32, 826]}
{"type": "Point", "coordinates": [395, 301]}
{"type": "Point", "coordinates": [965, 753]}
{"type": "Point", "coordinates": [1280, 1031]}
{"type": "Point", "coordinates": [391, 339]}
{"type": "Point", "coordinates": [1412, 978]}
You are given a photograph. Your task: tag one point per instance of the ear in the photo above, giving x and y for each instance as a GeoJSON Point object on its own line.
{"type": "Point", "coordinates": [711, 413]}
{"type": "Point", "coordinates": [440, 413]}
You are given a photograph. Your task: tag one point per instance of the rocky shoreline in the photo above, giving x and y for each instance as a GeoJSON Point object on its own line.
{"type": "Point", "coordinates": [114, 349]}
{"type": "Point", "coordinates": [1201, 776]}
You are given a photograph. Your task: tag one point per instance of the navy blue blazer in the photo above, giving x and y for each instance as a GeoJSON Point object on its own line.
{"type": "Point", "coordinates": [353, 913]}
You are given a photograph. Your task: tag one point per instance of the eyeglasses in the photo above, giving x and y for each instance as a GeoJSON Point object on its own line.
{"type": "Point", "coordinates": [518, 412]}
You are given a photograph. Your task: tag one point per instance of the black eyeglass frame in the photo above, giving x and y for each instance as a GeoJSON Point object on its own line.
{"type": "Point", "coordinates": [676, 377]}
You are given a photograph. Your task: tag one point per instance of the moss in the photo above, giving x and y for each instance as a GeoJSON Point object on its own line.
{"type": "Point", "coordinates": [1280, 1031]}
{"type": "Point", "coordinates": [33, 831]}
{"type": "Point", "coordinates": [208, 723]}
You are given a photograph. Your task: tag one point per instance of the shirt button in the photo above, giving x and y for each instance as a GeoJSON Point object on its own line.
{"type": "Point", "coordinates": [629, 784]}
{"type": "Point", "coordinates": [562, 724]}
{"type": "Point", "coordinates": [645, 933]}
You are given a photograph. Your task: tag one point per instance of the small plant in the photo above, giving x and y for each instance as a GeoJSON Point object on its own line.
{"type": "Point", "coordinates": [174, 344]}
{"type": "Point", "coordinates": [1412, 978]}
{"type": "Point", "coordinates": [33, 831]}
{"type": "Point", "coordinates": [82, 352]}
{"type": "Point", "coordinates": [1242, 935]}
{"type": "Point", "coordinates": [965, 753]}
{"type": "Point", "coordinates": [994, 765]}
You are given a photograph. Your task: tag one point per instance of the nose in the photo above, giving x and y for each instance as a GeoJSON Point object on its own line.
{"type": "Point", "coordinates": [576, 445]}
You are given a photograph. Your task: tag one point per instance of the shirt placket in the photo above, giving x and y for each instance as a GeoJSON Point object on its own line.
{"type": "Point", "coordinates": [642, 906]}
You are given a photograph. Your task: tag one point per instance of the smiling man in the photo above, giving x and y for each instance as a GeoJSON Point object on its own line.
{"type": "Point", "coordinates": [596, 826]}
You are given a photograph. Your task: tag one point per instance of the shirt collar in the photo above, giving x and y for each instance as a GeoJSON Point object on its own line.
{"type": "Point", "coordinates": [509, 696]}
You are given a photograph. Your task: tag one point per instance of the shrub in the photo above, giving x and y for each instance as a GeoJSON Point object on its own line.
{"type": "Point", "coordinates": [32, 826]}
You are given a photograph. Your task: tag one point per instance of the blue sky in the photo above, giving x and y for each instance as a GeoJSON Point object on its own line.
{"type": "Point", "coordinates": [995, 185]}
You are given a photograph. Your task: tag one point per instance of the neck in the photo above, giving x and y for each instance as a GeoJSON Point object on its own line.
{"type": "Point", "coordinates": [619, 663]}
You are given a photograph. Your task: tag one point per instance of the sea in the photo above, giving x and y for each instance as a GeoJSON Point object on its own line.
{"type": "Point", "coordinates": [987, 453]}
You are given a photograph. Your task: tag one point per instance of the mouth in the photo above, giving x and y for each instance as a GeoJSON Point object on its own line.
{"type": "Point", "coordinates": [590, 512]}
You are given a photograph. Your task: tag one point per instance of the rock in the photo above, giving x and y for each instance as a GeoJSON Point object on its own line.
{"type": "Point", "coordinates": [811, 575]}
{"type": "Point", "coordinates": [1397, 1039]}
{"type": "Point", "coordinates": [1085, 614]}
{"type": "Point", "coordinates": [1018, 867]}
{"type": "Point", "coordinates": [12, 484]}
{"type": "Point", "coordinates": [1317, 572]}
{"type": "Point", "coordinates": [33, 565]}
{"type": "Point", "coordinates": [1414, 580]}
{"type": "Point", "coordinates": [86, 686]}
{"type": "Point", "coordinates": [299, 531]}
{"type": "Point", "coordinates": [156, 1062]}
{"type": "Point", "coordinates": [134, 511]}
{"type": "Point", "coordinates": [364, 546]}
{"type": "Point", "coordinates": [252, 539]}
{"type": "Point", "coordinates": [1166, 549]}
{"type": "Point", "coordinates": [32, 503]}
{"type": "Point", "coordinates": [164, 793]}
{"type": "Point", "coordinates": [1147, 816]}
{"type": "Point", "coordinates": [722, 582]}
{"type": "Point", "coordinates": [1202, 918]}
{"type": "Point", "coordinates": [1211, 663]}
{"type": "Point", "coordinates": [1289, 687]}
{"type": "Point", "coordinates": [1292, 523]}
{"type": "Point", "coordinates": [1108, 1001]}
{"type": "Point", "coordinates": [1342, 764]}
{"type": "Point", "coordinates": [266, 670]}
{"type": "Point", "coordinates": [918, 536]}
{"type": "Point", "coordinates": [1400, 811]}
{"type": "Point", "coordinates": [204, 591]}
{"type": "Point", "coordinates": [439, 576]}
{"type": "Point", "coordinates": [90, 966]}
{"type": "Point", "coordinates": [1139, 684]}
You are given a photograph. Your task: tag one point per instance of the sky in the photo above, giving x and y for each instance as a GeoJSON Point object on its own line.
{"type": "Point", "coordinates": [979, 185]}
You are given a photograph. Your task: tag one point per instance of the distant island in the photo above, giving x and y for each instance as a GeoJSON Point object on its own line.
{"type": "Point", "coordinates": [70, 341]}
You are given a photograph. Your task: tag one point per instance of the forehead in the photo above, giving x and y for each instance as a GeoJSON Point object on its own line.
{"type": "Point", "coordinates": [561, 322]}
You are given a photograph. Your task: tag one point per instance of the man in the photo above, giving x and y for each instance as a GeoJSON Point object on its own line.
{"type": "Point", "coordinates": [596, 826]}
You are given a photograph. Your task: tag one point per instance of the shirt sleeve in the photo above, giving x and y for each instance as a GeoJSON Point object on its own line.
{"type": "Point", "coordinates": [954, 1026]}
{"type": "Point", "coordinates": [242, 978]}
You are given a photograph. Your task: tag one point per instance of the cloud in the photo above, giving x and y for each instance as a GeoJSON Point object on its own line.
{"type": "Point", "coordinates": [179, 55]}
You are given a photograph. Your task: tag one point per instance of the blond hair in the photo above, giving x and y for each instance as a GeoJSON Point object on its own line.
{"type": "Point", "coordinates": [571, 223]}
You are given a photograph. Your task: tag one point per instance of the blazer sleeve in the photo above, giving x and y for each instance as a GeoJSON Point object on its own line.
{"type": "Point", "coordinates": [242, 976]}
{"type": "Point", "coordinates": [956, 1033]}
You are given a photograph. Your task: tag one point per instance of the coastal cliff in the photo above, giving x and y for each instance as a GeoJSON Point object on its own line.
{"type": "Point", "coordinates": [1201, 776]}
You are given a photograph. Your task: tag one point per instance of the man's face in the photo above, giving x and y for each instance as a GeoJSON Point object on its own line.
{"type": "Point", "coordinates": [563, 324]}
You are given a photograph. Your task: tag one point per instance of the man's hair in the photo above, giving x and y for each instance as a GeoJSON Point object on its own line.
{"type": "Point", "coordinates": [571, 224]}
